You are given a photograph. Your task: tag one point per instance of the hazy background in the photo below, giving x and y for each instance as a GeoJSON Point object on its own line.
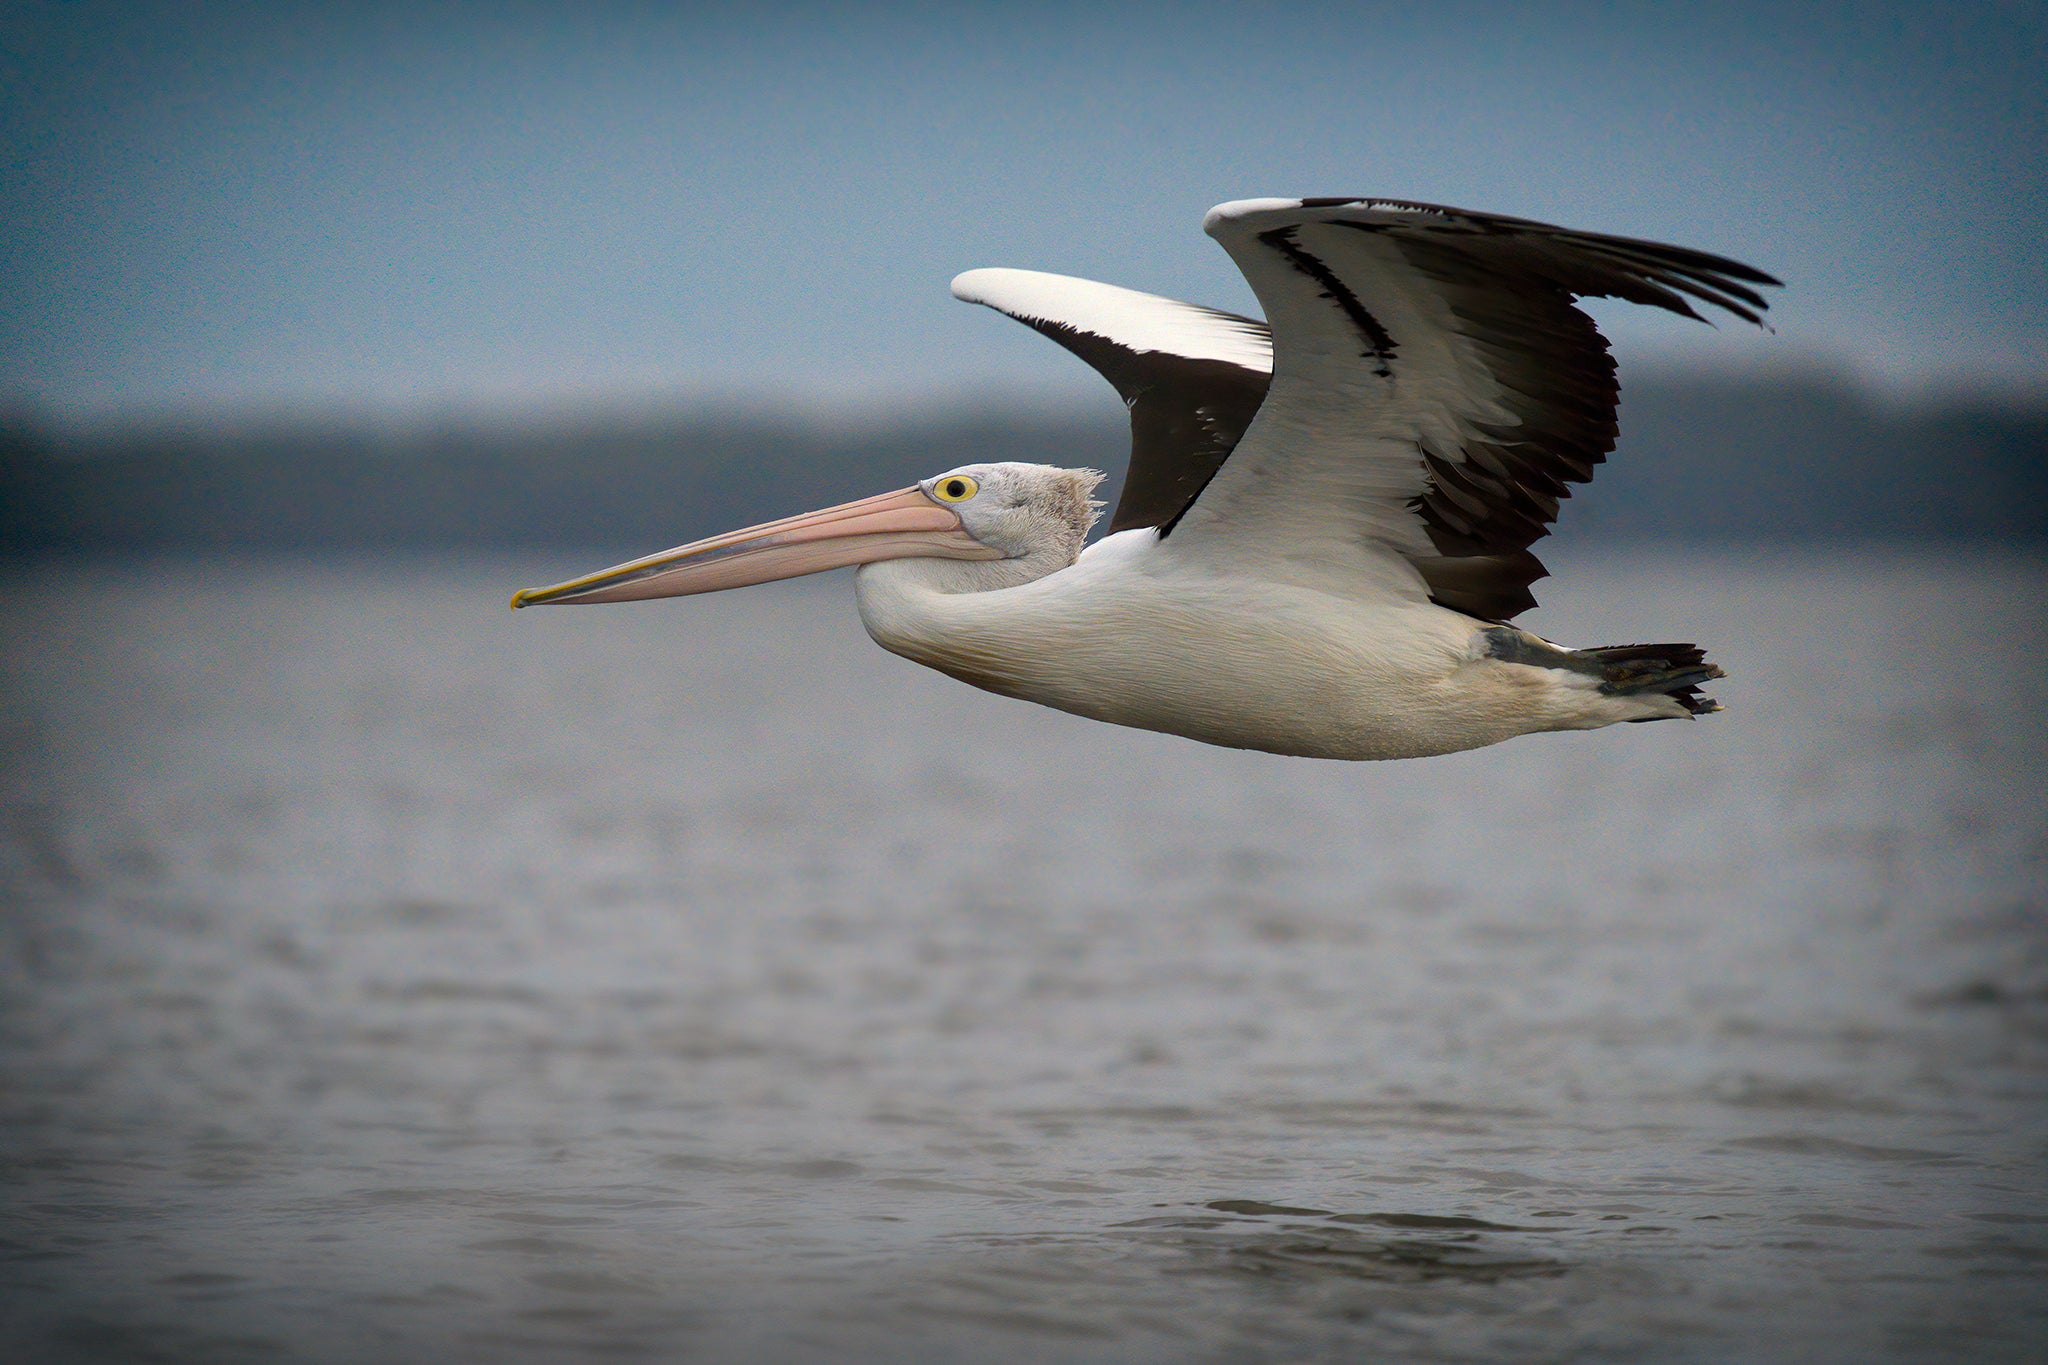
{"type": "Point", "coordinates": [398, 273]}
{"type": "Point", "coordinates": [387, 976]}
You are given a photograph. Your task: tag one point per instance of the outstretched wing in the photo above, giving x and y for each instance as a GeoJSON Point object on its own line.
{"type": "Point", "coordinates": [1435, 390]}
{"type": "Point", "coordinates": [1192, 377]}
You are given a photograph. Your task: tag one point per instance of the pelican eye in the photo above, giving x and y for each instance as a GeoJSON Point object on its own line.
{"type": "Point", "coordinates": [955, 488]}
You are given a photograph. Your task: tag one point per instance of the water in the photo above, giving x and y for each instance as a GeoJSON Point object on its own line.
{"type": "Point", "coordinates": [390, 977]}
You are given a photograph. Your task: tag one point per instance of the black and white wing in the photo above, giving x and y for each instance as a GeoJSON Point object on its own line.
{"type": "Point", "coordinates": [1437, 390]}
{"type": "Point", "coordinates": [1434, 390]}
{"type": "Point", "coordinates": [1192, 377]}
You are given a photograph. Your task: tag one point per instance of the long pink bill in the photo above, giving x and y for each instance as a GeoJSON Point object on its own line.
{"type": "Point", "coordinates": [892, 526]}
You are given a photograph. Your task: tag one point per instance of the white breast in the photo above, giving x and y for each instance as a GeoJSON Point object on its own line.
{"type": "Point", "coordinates": [1135, 635]}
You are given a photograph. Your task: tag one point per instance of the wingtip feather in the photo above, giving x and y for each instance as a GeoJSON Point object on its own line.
{"type": "Point", "coordinates": [1220, 217]}
{"type": "Point", "coordinates": [977, 285]}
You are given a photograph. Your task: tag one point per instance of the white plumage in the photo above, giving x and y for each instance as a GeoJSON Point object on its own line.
{"type": "Point", "coordinates": [1138, 322]}
{"type": "Point", "coordinates": [1325, 526]}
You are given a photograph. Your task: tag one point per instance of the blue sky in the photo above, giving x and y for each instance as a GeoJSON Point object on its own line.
{"type": "Point", "coordinates": [219, 208]}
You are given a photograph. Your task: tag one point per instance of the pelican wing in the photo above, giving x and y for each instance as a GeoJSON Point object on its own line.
{"type": "Point", "coordinates": [1435, 390]}
{"type": "Point", "coordinates": [1192, 377]}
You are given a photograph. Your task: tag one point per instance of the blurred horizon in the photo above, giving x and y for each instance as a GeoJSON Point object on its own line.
{"type": "Point", "coordinates": [1767, 455]}
{"type": "Point", "coordinates": [227, 213]}
{"type": "Point", "coordinates": [73, 433]}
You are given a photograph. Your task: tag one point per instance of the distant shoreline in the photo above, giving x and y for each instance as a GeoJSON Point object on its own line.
{"type": "Point", "coordinates": [1717, 457]}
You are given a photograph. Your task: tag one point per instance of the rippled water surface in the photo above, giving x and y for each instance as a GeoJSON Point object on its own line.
{"type": "Point", "coordinates": [385, 976]}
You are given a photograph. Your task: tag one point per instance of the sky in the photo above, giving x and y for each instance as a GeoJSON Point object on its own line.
{"type": "Point", "coordinates": [220, 209]}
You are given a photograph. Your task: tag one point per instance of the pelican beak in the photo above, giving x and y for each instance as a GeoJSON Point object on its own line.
{"type": "Point", "coordinates": [893, 526]}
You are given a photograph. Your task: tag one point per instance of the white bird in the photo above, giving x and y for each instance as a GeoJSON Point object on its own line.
{"type": "Point", "coordinates": [1325, 526]}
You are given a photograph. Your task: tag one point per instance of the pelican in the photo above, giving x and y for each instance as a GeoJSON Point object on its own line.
{"type": "Point", "coordinates": [1324, 533]}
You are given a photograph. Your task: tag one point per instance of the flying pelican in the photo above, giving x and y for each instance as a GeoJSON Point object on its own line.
{"type": "Point", "coordinates": [1324, 530]}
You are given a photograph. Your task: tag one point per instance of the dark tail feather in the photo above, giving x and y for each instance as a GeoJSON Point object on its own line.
{"type": "Point", "coordinates": [1623, 670]}
{"type": "Point", "coordinates": [1676, 670]}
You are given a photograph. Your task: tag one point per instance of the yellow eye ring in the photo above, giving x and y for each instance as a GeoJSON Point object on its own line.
{"type": "Point", "coordinates": [955, 488]}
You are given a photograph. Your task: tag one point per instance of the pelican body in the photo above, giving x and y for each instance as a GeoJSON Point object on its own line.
{"type": "Point", "coordinates": [1323, 536]}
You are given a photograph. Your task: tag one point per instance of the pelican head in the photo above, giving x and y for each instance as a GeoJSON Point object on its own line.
{"type": "Point", "coordinates": [991, 525]}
